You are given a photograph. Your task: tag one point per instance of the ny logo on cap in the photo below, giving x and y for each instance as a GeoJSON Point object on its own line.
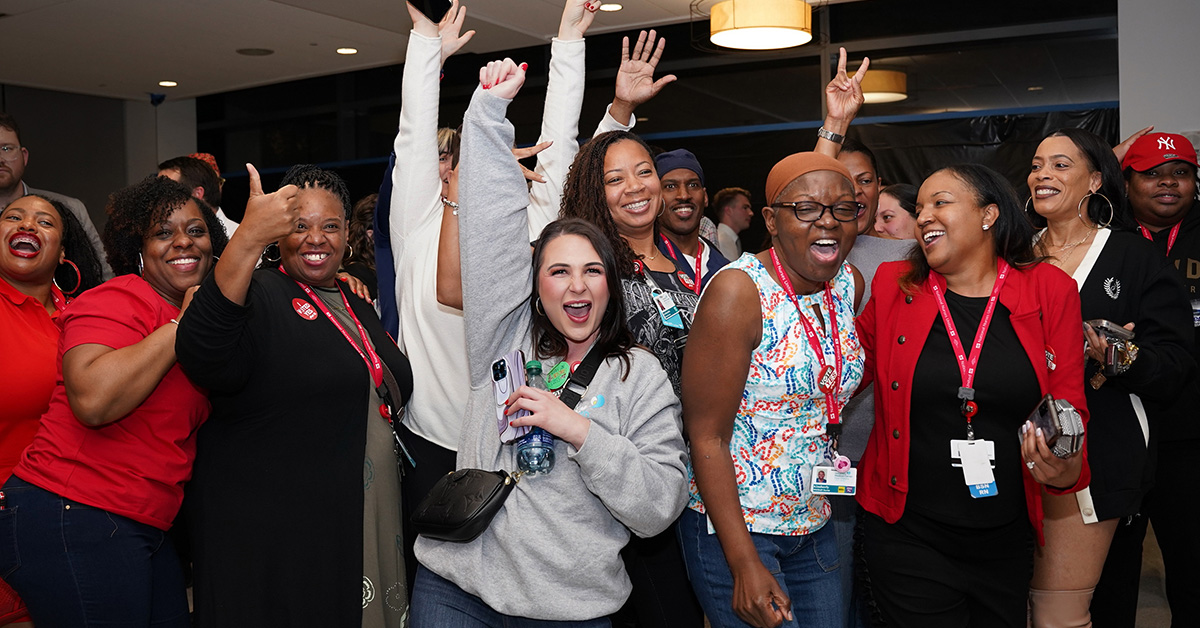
{"type": "Point", "coordinates": [1166, 143]}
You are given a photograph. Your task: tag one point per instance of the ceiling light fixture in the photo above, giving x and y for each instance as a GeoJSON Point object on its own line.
{"type": "Point", "coordinates": [1035, 88]}
{"type": "Point", "coordinates": [884, 86]}
{"type": "Point", "coordinates": [168, 84]}
{"type": "Point", "coordinates": [761, 24]}
{"type": "Point", "coordinates": [347, 51]}
{"type": "Point", "coordinates": [611, 6]}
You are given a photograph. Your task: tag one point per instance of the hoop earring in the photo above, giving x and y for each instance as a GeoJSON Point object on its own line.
{"type": "Point", "coordinates": [78, 277]}
{"type": "Point", "coordinates": [141, 265]}
{"type": "Point", "coordinates": [1079, 210]}
{"type": "Point", "coordinates": [1029, 210]}
{"type": "Point", "coordinates": [267, 253]}
{"type": "Point", "coordinates": [537, 306]}
{"type": "Point", "coordinates": [661, 209]}
{"type": "Point", "coordinates": [349, 253]}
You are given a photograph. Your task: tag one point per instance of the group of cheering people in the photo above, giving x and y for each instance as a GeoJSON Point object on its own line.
{"type": "Point", "coordinates": [239, 388]}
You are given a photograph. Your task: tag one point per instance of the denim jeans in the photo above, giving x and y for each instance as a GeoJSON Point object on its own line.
{"type": "Point", "coordinates": [76, 565]}
{"type": "Point", "coordinates": [806, 568]}
{"type": "Point", "coordinates": [439, 603]}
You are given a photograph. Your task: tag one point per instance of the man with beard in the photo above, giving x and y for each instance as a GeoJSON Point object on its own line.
{"type": "Point", "coordinates": [14, 156]}
{"type": "Point", "coordinates": [684, 199]}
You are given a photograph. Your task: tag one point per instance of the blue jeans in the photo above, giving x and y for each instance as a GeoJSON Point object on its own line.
{"type": "Point", "coordinates": [76, 565]}
{"type": "Point", "coordinates": [806, 568]}
{"type": "Point", "coordinates": [439, 603]}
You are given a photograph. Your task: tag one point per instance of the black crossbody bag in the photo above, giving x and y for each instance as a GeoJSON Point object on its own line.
{"type": "Point", "coordinates": [462, 504]}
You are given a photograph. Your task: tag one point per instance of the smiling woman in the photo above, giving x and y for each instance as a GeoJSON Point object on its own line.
{"type": "Point", "coordinates": [103, 479]}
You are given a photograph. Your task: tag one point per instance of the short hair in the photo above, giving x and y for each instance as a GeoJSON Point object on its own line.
{"type": "Point", "coordinates": [449, 140]}
{"type": "Point", "coordinates": [362, 248]}
{"type": "Point", "coordinates": [310, 176]}
{"type": "Point", "coordinates": [77, 248]}
{"type": "Point", "coordinates": [905, 194]}
{"type": "Point", "coordinates": [134, 209]}
{"type": "Point", "coordinates": [1100, 158]}
{"type": "Point", "coordinates": [727, 196]}
{"type": "Point", "coordinates": [614, 339]}
{"type": "Point", "coordinates": [851, 145]}
{"type": "Point", "coordinates": [1012, 233]}
{"type": "Point", "coordinates": [10, 123]}
{"type": "Point", "coordinates": [583, 192]}
{"type": "Point", "coordinates": [196, 173]}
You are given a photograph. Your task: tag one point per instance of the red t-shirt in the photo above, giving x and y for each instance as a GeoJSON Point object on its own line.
{"type": "Point", "coordinates": [28, 344]}
{"type": "Point", "coordinates": [135, 466]}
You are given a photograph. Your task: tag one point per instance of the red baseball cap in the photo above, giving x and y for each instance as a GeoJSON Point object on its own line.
{"type": "Point", "coordinates": [1154, 149]}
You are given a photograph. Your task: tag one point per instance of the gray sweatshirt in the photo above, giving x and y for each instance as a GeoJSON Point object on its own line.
{"type": "Point", "coordinates": [552, 552]}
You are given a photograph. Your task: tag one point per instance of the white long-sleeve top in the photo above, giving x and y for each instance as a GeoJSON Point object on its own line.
{"type": "Point", "coordinates": [431, 334]}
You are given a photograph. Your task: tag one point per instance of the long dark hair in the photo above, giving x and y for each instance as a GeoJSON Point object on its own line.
{"type": "Point", "coordinates": [905, 194]}
{"type": "Point", "coordinates": [362, 248]}
{"type": "Point", "coordinates": [1012, 233]}
{"type": "Point", "coordinates": [77, 248]}
{"type": "Point", "coordinates": [583, 193]}
{"type": "Point", "coordinates": [615, 339]}
{"type": "Point", "coordinates": [1100, 158]}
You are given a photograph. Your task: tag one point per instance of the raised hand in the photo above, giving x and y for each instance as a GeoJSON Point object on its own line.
{"type": "Point", "coordinates": [448, 29]}
{"type": "Point", "coordinates": [844, 95]}
{"type": "Point", "coordinates": [576, 18]}
{"type": "Point", "coordinates": [635, 78]}
{"type": "Point", "coordinates": [269, 217]}
{"type": "Point", "coordinates": [1120, 149]}
{"type": "Point", "coordinates": [524, 153]}
{"type": "Point", "coordinates": [503, 78]}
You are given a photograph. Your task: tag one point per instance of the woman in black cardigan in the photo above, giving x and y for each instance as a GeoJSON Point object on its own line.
{"type": "Point", "coordinates": [294, 502]}
{"type": "Point", "coordinates": [1077, 193]}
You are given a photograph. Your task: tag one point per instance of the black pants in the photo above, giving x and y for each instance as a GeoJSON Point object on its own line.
{"type": "Point", "coordinates": [927, 574]}
{"type": "Point", "coordinates": [1174, 511]}
{"type": "Point", "coordinates": [662, 594]}
{"type": "Point", "coordinates": [433, 461]}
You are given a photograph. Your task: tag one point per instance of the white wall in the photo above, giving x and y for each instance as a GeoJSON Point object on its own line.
{"type": "Point", "coordinates": [1160, 83]}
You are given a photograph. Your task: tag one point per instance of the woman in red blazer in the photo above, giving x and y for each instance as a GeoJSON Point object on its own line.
{"type": "Point", "coordinates": [950, 478]}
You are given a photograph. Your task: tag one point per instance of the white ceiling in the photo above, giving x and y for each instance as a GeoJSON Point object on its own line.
{"type": "Point", "coordinates": [123, 48]}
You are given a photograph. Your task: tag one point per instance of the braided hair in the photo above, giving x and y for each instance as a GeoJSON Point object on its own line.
{"type": "Point", "coordinates": [309, 176]}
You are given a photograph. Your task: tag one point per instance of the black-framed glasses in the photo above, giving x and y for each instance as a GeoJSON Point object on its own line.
{"type": "Point", "coordinates": [811, 211]}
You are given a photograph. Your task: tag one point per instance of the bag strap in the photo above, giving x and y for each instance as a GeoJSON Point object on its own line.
{"type": "Point", "coordinates": [582, 377]}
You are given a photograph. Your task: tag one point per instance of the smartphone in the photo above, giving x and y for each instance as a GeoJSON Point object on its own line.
{"type": "Point", "coordinates": [1110, 329]}
{"type": "Point", "coordinates": [435, 10]}
{"type": "Point", "coordinates": [1045, 416]}
{"type": "Point", "coordinates": [508, 374]}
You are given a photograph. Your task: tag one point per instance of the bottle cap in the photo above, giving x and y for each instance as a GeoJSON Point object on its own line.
{"type": "Point", "coordinates": [533, 364]}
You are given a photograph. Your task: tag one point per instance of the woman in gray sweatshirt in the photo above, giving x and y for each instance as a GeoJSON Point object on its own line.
{"type": "Point", "coordinates": [552, 552]}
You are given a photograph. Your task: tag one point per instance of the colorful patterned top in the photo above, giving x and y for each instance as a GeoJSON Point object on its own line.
{"type": "Point", "coordinates": [779, 430]}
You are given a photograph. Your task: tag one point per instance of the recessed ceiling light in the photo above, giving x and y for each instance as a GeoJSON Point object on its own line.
{"type": "Point", "coordinates": [255, 52]}
{"type": "Point", "coordinates": [611, 6]}
{"type": "Point", "coordinates": [1035, 88]}
{"type": "Point", "coordinates": [347, 51]}
{"type": "Point", "coordinates": [643, 119]}
{"type": "Point", "coordinates": [168, 84]}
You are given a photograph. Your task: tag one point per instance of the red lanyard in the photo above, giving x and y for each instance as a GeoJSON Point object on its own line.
{"type": "Point", "coordinates": [374, 364]}
{"type": "Point", "coordinates": [966, 366]}
{"type": "Point", "coordinates": [1170, 237]}
{"type": "Point", "coordinates": [829, 379]}
{"type": "Point", "coordinates": [699, 256]}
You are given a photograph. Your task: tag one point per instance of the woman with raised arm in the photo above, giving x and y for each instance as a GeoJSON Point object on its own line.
{"type": "Point", "coordinates": [1076, 191]}
{"type": "Point", "coordinates": [88, 506]}
{"type": "Point", "coordinates": [296, 473]}
{"type": "Point", "coordinates": [757, 438]}
{"type": "Point", "coordinates": [620, 454]}
{"type": "Point", "coordinates": [963, 340]}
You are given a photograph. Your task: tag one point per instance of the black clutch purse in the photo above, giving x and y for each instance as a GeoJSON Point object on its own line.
{"type": "Point", "coordinates": [462, 504]}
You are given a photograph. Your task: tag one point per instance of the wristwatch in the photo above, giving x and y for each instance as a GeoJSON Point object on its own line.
{"type": "Point", "coordinates": [831, 136]}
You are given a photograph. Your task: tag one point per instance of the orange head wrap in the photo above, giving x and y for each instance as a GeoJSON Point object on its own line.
{"type": "Point", "coordinates": [796, 165]}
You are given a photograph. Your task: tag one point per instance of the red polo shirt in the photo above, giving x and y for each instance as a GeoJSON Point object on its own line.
{"type": "Point", "coordinates": [28, 344]}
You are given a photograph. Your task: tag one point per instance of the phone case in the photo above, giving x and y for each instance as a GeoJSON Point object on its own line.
{"type": "Point", "coordinates": [1110, 329]}
{"type": "Point", "coordinates": [508, 374]}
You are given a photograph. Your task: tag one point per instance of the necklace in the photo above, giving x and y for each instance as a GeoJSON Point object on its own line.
{"type": "Point", "coordinates": [1063, 248]}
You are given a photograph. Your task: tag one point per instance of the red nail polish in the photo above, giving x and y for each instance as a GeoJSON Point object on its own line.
{"type": "Point", "coordinates": [486, 86]}
{"type": "Point", "coordinates": [524, 66]}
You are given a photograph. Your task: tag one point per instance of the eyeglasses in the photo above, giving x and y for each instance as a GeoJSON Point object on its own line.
{"type": "Point", "coordinates": [9, 152]}
{"type": "Point", "coordinates": [811, 211]}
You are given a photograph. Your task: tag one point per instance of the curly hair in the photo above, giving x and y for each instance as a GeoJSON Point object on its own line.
{"type": "Point", "coordinates": [134, 210]}
{"type": "Point", "coordinates": [77, 248]}
{"type": "Point", "coordinates": [614, 339]}
{"type": "Point", "coordinates": [583, 193]}
{"type": "Point", "coordinates": [362, 247]}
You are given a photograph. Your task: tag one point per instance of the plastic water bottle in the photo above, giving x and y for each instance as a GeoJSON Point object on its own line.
{"type": "Point", "coordinates": [535, 452]}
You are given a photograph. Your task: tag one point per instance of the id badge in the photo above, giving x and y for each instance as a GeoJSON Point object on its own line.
{"type": "Point", "coordinates": [667, 310]}
{"type": "Point", "coordinates": [976, 465]}
{"type": "Point", "coordinates": [830, 481]}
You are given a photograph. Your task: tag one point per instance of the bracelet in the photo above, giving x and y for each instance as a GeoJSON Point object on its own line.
{"type": "Point", "coordinates": [175, 321]}
{"type": "Point", "coordinates": [831, 136]}
{"type": "Point", "coordinates": [451, 204]}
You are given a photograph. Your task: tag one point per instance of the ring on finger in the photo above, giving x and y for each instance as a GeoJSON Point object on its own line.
{"type": "Point", "coordinates": [1029, 465]}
